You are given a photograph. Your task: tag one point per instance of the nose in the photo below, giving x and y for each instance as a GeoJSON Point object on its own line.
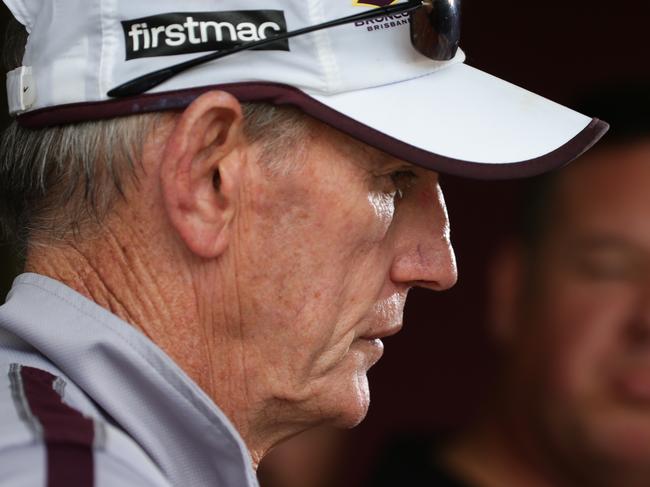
{"type": "Point", "coordinates": [424, 256]}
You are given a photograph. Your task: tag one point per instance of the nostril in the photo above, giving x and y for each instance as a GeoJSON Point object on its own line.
{"type": "Point", "coordinates": [447, 278]}
{"type": "Point", "coordinates": [431, 268]}
{"type": "Point", "coordinates": [448, 273]}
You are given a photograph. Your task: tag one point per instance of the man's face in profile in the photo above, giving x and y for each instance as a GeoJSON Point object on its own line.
{"type": "Point", "coordinates": [582, 340]}
{"type": "Point", "coordinates": [337, 243]}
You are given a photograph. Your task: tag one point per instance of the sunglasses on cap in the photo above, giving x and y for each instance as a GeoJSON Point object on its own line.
{"type": "Point", "coordinates": [435, 33]}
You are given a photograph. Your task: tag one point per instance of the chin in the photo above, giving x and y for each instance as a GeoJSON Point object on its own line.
{"type": "Point", "coordinates": [344, 397]}
{"type": "Point", "coordinates": [357, 406]}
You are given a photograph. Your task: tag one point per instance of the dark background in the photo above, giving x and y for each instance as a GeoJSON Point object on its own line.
{"type": "Point", "coordinates": [436, 369]}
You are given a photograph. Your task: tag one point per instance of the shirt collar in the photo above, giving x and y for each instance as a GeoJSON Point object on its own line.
{"type": "Point", "coordinates": [133, 380]}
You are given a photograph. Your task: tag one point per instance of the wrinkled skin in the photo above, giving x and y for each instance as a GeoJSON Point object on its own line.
{"type": "Point", "coordinates": [271, 289]}
{"type": "Point", "coordinates": [337, 245]}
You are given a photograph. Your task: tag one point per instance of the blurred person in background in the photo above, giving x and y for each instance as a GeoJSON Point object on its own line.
{"type": "Point", "coordinates": [570, 313]}
{"type": "Point", "coordinates": [214, 250]}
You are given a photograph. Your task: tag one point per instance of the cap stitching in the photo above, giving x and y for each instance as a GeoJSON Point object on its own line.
{"type": "Point", "coordinates": [324, 50]}
{"type": "Point", "coordinates": [107, 52]}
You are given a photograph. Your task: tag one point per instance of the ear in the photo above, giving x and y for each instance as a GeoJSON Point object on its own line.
{"type": "Point", "coordinates": [200, 172]}
{"type": "Point", "coordinates": [505, 288]}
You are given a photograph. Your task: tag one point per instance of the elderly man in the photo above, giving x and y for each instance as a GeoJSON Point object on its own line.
{"type": "Point", "coordinates": [571, 313]}
{"type": "Point", "coordinates": [236, 229]}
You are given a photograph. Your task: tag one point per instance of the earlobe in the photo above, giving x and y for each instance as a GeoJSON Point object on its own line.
{"type": "Point", "coordinates": [200, 170]}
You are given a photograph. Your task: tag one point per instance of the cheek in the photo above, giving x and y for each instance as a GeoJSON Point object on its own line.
{"type": "Point", "coordinates": [383, 206]}
{"type": "Point", "coordinates": [341, 244]}
{"type": "Point", "coordinates": [582, 328]}
{"type": "Point", "coordinates": [318, 266]}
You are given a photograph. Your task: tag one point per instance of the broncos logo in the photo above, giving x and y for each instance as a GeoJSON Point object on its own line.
{"type": "Point", "coordinates": [373, 3]}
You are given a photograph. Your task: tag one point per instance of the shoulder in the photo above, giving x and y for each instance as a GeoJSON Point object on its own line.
{"type": "Point", "coordinates": [45, 439]}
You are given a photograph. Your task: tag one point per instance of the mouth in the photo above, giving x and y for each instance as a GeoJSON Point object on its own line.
{"type": "Point", "coordinates": [388, 315]}
{"type": "Point", "coordinates": [371, 342]}
{"type": "Point", "coordinates": [377, 334]}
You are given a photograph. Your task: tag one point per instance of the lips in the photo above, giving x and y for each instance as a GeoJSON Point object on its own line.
{"type": "Point", "coordinates": [371, 340]}
{"type": "Point", "coordinates": [386, 317]}
{"type": "Point", "coordinates": [382, 332]}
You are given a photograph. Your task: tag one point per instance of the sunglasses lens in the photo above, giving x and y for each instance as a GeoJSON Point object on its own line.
{"type": "Point", "coordinates": [435, 28]}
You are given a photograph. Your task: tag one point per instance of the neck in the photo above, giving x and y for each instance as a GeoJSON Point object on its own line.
{"type": "Point", "coordinates": [157, 292]}
{"type": "Point", "coordinates": [109, 271]}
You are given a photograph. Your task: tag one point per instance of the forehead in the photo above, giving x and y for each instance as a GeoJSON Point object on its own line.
{"type": "Point", "coordinates": [607, 192]}
{"type": "Point", "coordinates": [332, 143]}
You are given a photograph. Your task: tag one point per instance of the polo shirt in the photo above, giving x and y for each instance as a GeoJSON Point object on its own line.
{"type": "Point", "coordinates": [88, 400]}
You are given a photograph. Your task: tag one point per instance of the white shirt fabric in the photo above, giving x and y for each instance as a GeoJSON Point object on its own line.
{"type": "Point", "coordinates": [158, 428]}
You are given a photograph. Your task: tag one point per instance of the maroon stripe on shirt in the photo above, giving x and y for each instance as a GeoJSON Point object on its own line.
{"type": "Point", "coordinates": [67, 434]}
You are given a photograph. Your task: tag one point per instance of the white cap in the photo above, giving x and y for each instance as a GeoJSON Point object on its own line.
{"type": "Point", "coordinates": [365, 79]}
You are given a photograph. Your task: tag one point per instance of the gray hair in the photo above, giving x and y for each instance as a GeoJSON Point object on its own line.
{"type": "Point", "coordinates": [55, 181]}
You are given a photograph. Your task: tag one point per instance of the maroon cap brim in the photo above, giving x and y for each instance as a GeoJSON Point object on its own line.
{"type": "Point", "coordinates": [278, 94]}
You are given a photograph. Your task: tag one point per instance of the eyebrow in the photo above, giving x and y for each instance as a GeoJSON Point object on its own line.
{"type": "Point", "coordinates": [369, 158]}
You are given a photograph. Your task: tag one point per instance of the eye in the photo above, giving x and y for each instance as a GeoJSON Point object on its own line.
{"type": "Point", "coordinates": [401, 181]}
{"type": "Point", "coordinates": [607, 267]}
